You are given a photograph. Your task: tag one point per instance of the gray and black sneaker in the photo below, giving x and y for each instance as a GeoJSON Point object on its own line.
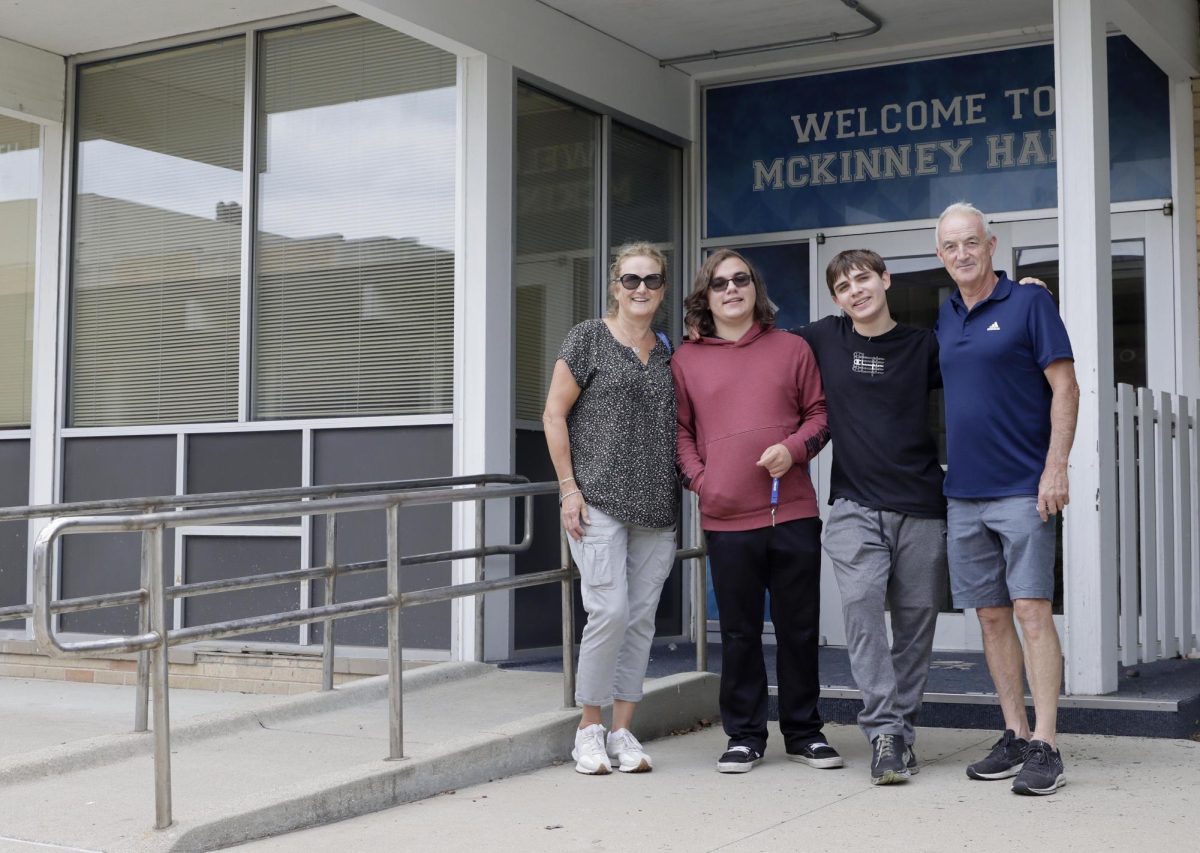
{"type": "Point", "coordinates": [910, 760]}
{"type": "Point", "coordinates": [1042, 772]}
{"type": "Point", "coordinates": [887, 760]}
{"type": "Point", "coordinates": [1005, 759]}
{"type": "Point", "coordinates": [818, 754]}
{"type": "Point", "coordinates": [738, 759]}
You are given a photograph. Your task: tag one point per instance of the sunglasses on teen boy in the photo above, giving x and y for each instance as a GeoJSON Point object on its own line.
{"type": "Point", "coordinates": [739, 280]}
{"type": "Point", "coordinates": [654, 281]}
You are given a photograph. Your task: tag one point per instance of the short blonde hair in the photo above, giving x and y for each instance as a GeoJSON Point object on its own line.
{"type": "Point", "coordinates": [637, 249]}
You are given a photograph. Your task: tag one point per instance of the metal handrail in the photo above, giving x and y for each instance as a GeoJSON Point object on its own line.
{"type": "Point", "coordinates": [239, 498]}
{"type": "Point", "coordinates": [329, 572]}
{"type": "Point", "coordinates": [154, 638]}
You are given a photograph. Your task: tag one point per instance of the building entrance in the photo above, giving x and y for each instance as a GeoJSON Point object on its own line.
{"type": "Point", "coordinates": [1142, 300]}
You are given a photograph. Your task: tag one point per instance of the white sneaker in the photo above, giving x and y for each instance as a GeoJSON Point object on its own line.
{"type": "Point", "coordinates": [589, 754]}
{"type": "Point", "coordinates": [624, 748]}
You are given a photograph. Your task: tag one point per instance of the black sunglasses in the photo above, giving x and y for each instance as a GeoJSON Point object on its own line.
{"type": "Point", "coordinates": [654, 281]}
{"type": "Point", "coordinates": [740, 279]}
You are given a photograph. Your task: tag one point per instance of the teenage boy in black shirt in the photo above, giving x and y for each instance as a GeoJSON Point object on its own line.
{"type": "Point", "coordinates": [886, 533]}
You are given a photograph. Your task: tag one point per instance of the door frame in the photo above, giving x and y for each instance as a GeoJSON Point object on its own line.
{"type": "Point", "coordinates": [960, 630]}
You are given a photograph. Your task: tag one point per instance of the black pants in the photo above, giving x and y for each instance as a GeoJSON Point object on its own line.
{"type": "Point", "coordinates": [786, 561]}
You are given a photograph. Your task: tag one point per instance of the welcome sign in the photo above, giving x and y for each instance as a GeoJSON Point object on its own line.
{"type": "Point", "coordinates": [902, 142]}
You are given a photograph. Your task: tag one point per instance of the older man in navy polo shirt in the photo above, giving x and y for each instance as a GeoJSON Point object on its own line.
{"type": "Point", "coordinates": [1011, 404]}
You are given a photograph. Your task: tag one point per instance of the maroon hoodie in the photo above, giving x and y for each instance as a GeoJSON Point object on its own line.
{"type": "Point", "coordinates": [736, 399]}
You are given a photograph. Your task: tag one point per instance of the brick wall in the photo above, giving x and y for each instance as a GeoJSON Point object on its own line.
{"type": "Point", "coordinates": [199, 669]}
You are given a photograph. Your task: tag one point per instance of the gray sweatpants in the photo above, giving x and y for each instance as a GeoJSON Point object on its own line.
{"type": "Point", "coordinates": [883, 556]}
{"type": "Point", "coordinates": [622, 568]}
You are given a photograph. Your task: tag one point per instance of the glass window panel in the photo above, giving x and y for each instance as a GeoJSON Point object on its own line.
{"type": "Point", "coordinates": [20, 167]}
{"type": "Point", "coordinates": [555, 265]}
{"type": "Point", "coordinates": [156, 278]}
{"type": "Point", "coordinates": [1129, 301]}
{"type": "Point", "coordinates": [645, 203]}
{"type": "Point", "coordinates": [354, 282]}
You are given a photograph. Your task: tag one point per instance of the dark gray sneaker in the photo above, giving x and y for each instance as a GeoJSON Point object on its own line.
{"type": "Point", "coordinates": [1005, 759]}
{"type": "Point", "coordinates": [1043, 771]}
{"type": "Point", "coordinates": [887, 760]}
{"type": "Point", "coordinates": [910, 760]}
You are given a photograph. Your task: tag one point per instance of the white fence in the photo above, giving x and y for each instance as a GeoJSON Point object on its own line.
{"type": "Point", "coordinates": [1158, 489]}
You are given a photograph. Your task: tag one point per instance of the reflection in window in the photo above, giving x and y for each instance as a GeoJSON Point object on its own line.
{"type": "Point", "coordinates": [20, 165]}
{"type": "Point", "coordinates": [644, 203]}
{"type": "Point", "coordinates": [354, 286]}
{"type": "Point", "coordinates": [155, 283]}
{"type": "Point", "coordinates": [557, 156]}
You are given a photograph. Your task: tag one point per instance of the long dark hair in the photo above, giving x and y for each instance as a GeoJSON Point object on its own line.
{"type": "Point", "coordinates": [698, 313]}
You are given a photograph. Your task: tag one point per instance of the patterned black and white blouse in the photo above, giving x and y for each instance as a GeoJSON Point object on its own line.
{"type": "Point", "coordinates": [622, 427]}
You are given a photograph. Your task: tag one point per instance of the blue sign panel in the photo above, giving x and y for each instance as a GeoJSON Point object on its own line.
{"type": "Point", "coordinates": [903, 141]}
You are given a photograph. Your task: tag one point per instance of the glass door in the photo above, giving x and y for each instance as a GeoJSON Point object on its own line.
{"type": "Point", "coordinates": [1141, 255]}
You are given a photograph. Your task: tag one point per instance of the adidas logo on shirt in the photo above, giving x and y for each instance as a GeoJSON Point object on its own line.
{"type": "Point", "coordinates": [995, 327]}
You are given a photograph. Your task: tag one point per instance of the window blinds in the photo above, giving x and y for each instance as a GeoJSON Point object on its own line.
{"type": "Point", "coordinates": [155, 284]}
{"type": "Point", "coordinates": [354, 284]}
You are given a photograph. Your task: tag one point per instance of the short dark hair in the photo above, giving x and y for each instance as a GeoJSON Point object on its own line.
{"type": "Point", "coordinates": [698, 313]}
{"type": "Point", "coordinates": [846, 262]}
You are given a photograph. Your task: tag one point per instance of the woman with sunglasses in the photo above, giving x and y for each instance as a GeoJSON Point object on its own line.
{"type": "Point", "coordinates": [751, 416]}
{"type": "Point", "coordinates": [610, 429]}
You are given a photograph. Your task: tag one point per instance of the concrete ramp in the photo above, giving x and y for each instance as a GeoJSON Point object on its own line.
{"type": "Point", "coordinates": [258, 772]}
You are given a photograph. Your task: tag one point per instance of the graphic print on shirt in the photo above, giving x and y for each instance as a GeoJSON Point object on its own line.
{"type": "Point", "coordinates": [872, 365]}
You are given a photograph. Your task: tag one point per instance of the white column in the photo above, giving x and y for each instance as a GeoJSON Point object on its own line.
{"type": "Point", "coordinates": [43, 410]}
{"type": "Point", "coordinates": [1183, 224]}
{"type": "Point", "coordinates": [1080, 71]}
{"type": "Point", "coordinates": [483, 431]}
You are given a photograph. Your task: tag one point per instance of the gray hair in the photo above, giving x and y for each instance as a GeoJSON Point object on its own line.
{"type": "Point", "coordinates": [967, 209]}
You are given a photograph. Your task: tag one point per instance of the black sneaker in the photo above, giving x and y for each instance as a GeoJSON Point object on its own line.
{"type": "Point", "coordinates": [738, 759]}
{"type": "Point", "coordinates": [1005, 759]}
{"type": "Point", "coordinates": [910, 760]}
{"type": "Point", "coordinates": [1043, 770]}
{"type": "Point", "coordinates": [887, 760]}
{"type": "Point", "coordinates": [818, 754]}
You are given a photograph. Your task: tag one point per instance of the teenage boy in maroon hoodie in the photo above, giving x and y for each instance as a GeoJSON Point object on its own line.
{"type": "Point", "coordinates": [751, 415]}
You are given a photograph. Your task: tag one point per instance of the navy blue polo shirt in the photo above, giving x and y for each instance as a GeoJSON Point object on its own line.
{"type": "Point", "coordinates": [997, 396]}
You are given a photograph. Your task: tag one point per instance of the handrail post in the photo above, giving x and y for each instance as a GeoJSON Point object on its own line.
{"type": "Point", "coordinates": [152, 572]}
{"type": "Point", "coordinates": [480, 562]}
{"type": "Point", "coordinates": [394, 639]}
{"type": "Point", "coordinates": [141, 701]}
{"type": "Point", "coordinates": [568, 623]}
{"type": "Point", "coordinates": [330, 594]}
{"type": "Point", "coordinates": [699, 591]}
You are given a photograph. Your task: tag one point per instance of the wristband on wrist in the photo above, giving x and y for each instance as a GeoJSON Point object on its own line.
{"type": "Point", "coordinates": [567, 495]}
{"type": "Point", "coordinates": [569, 479]}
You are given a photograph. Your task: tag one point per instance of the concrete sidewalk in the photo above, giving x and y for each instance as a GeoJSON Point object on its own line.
{"type": "Point", "coordinates": [1123, 794]}
{"type": "Point", "coordinates": [270, 765]}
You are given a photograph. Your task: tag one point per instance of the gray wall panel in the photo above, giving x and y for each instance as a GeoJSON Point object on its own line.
{"type": "Point", "coordinates": [234, 462]}
{"type": "Point", "coordinates": [207, 558]}
{"type": "Point", "coordinates": [394, 453]}
{"type": "Point", "coordinates": [95, 468]}
{"type": "Point", "coordinates": [14, 535]}
{"type": "Point", "coordinates": [237, 461]}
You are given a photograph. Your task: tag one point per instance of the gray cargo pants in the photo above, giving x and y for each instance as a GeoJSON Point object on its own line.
{"type": "Point", "coordinates": [880, 556]}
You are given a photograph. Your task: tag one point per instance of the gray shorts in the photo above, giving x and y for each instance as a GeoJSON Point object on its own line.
{"type": "Point", "coordinates": [999, 550]}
